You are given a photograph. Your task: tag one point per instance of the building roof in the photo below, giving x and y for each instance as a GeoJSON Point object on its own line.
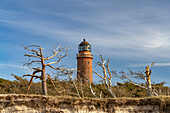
{"type": "Point", "coordinates": [84, 43]}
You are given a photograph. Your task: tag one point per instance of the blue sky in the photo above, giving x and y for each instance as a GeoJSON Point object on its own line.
{"type": "Point", "coordinates": [131, 33]}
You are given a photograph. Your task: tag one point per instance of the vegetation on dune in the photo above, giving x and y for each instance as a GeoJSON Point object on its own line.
{"type": "Point", "coordinates": [19, 86]}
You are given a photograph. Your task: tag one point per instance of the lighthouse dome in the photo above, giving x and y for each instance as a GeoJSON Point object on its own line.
{"type": "Point", "coordinates": [84, 46]}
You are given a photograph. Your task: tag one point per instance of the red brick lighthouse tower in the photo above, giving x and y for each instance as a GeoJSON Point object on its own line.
{"type": "Point", "coordinates": [84, 63]}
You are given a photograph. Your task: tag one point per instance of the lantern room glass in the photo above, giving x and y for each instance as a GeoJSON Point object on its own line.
{"type": "Point", "coordinates": [84, 47]}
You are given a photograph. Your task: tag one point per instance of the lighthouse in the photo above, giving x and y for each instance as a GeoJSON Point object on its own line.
{"type": "Point", "coordinates": [84, 62]}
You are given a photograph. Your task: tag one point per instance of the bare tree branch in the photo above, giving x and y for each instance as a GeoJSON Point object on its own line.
{"type": "Point", "coordinates": [54, 85]}
{"type": "Point", "coordinates": [36, 69]}
{"type": "Point", "coordinates": [29, 63]}
{"type": "Point", "coordinates": [59, 68]}
{"type": "Point", "coordinates": [32, 56]}
{"type": "Point", "coordinates": [81, 88]}
{"type": "Point", "coordinates": [106, 78]}
{"type": "Point", "coordinates": [29, 85]}
{"type": "Point", "coordinates": [69, 72]}
{"type": "Point", "coordinates": [125, 78]}
{"type": "Point", "coordinates": [32, 50]}
{"type": "Point", "coordinates": [59, 59]}
{"type": "Point", "coordinates": [54, 54]}
{"type": "Point", "coordinates": [98, 74]}
{"type": "Point", "coordinates": [32, 76]}
{"type": "Point", "coordinates": [92, 90]}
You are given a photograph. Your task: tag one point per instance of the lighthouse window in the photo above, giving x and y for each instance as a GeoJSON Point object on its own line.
{"type": "Point", "coordinates": [87, 62]}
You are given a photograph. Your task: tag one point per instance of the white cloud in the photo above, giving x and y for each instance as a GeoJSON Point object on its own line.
{"type": "Point", "coordinates": [162, 64]}
{"type": "Point", "coordinates": [11, 66]}
{"type": "Point", "coordinates": [108, 29]}
{"type": "Point", "coordinates": [14, 66]}
{"type": "Point", "coordinates": [147, 64]}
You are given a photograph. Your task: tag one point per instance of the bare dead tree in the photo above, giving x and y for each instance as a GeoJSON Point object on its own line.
{"type": "Point", "coordinates": [69, 72]}
{"type": "Point", "coordinates": [81, 87]}
{"type": "Point", "coordinates": [35, 54]}
{"type": "Point", "coordinates": [148, 79]}
{"type": "Point", "coordinates": [127, 77]}
{"type": "Point", "coordinates": [107, 75]}
{"type": "Point", "coordinates": [78, 83]}
{"type": "Point", "coordinates": [92, 91]}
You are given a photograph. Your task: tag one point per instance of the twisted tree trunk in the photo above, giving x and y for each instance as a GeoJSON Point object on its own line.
{"type": "Point", "coordinates": [44, 85]}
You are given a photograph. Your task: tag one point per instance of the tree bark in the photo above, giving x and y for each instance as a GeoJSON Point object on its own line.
{"type": "Point", "coordinates": [149, 86]}
{"type": "Point", "coordinates": [44, 85]}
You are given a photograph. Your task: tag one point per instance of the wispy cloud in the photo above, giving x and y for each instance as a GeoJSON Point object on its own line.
{"type": "Point", "coordinates": [15, 67]}
{"type": "Point", "coordinates": [162, 64]}
{"type": "Point", "coordinates": [128, 29]}
{"type": "Point", "coordinates": [147, 64]}
{"type": "Point", "coordinates": [2, 65]}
